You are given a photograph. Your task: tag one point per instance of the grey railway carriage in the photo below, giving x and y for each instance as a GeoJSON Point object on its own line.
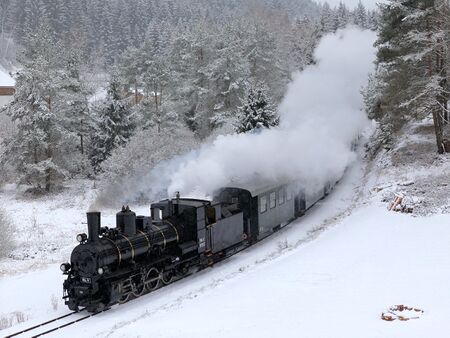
{"type": "Point", "coordinates": [269, 208]}
{"type": "Point", "coordinates": [112, 265]}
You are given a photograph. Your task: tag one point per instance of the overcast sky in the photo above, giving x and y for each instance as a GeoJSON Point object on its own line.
{"type": "Point", "coordinates": [370, 4]}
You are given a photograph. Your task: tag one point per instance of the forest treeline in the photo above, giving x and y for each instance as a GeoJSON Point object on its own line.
{"type": "Point", "coordinates": [106, 88]}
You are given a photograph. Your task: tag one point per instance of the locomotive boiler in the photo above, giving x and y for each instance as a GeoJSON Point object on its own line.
{"type": "Point", "coordinates": [110, 265]}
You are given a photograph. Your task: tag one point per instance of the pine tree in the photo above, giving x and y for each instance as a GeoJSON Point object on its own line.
{"type": "Point", "coordinates": [360, 16]}
{"type": "Point", "coordinates": [115, 125]}
{"type": "Point", "coordinates": [262, 53]}
{"type": "Point", "coordinates": [327, 19]}
{"type": "Point", "coordinates": [32, 150]}
{"type": "Point", "coordinates": [257, 112]}
{"type": "Point", "coordinates": [342, 16]}
{"type": "Point", "coordinates": [413, 52]}
{"type": "Point", "coordinates": [372, 20]}
{"type": "Point", "coordinates": [74, 103]}
{"type": "Point", "coordinates": [229, 71]}
{"type": "Point", "coordinates": [305, 36]}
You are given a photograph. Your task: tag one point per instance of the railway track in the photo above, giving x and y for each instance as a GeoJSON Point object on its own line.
{"type": "Point", "coordinates": [47, 327]}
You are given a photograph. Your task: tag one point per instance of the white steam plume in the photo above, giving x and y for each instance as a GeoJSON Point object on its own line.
{"type": "Point", "coordinates": [321, 114]}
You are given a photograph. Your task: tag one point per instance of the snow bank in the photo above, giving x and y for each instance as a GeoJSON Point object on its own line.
{"type": "Point", "coordinates": [6, 80]}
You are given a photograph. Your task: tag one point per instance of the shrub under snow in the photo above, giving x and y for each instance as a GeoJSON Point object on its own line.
{"type": "Point", "coordinates": [6, 241]}
{"type": "Point", "coordinates": [126, 171]}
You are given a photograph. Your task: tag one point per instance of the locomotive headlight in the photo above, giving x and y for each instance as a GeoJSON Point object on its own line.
{"type": "Point", "coordinates": [81, 238]}
{"type": "Point", "coordinates": [65, 267]}
{"type": "Point", "coordinates": [100, 271]}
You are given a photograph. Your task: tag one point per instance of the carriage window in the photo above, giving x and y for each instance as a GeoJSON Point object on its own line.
{"type": "Point", "coordinates": [234, 200]}
{"type": "Point", "coordinates": [263, 204]}
{"type": "Point", "coordinates": [288, 194]}
{"type": "Point", "coordinates": [281, 196]}
{"type": "Point", "coordinates": [273, 200]}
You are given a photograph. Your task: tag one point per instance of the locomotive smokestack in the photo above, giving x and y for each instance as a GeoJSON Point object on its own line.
{"type": "Point", "coordinates": [93, 220]}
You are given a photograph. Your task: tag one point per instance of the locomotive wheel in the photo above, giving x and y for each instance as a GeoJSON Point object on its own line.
{"type": "Point", "coordinates": [138, 287]}
{"type": "Point", "coordinates": [124, 298]}
{"type": "Point", "coordinates": [167, 277]}
{"type": "Point", "coordinates": [152, 279]}
{"type": "Point", "coordinates": [125, 293]}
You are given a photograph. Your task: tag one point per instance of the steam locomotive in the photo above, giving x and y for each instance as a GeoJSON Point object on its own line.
{"type": "Point", "coordinates": [141, 253]}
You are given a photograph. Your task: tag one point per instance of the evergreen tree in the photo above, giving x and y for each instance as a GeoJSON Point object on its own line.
{"type": "Point", "coordinates": [257, 112]}
{"type": "Point", "coordinates": [114, 127]}
{"type": "Point", "coordinates": [360, 16]}
{"type": "Point", "coordinates": [265, 65]}
{"type": "Point", "coordinates": [372, 20]}
{"type": "Point", "coordinates": [342, 16]}
{"type": "Point", "coordinates": [305, 37]}
{"type": "Point", "coordinates": [74, 103]}
{"type": "Point", "coordinates": [327, 19]}
{"type": "Point", "coordinates": [229, 71]}
{"type": "Point", "coordinates": [413, 54]}
{"type": "Point", "coordinates": [39, 130]}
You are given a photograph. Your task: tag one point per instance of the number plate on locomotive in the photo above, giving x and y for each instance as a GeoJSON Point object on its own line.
{"type": "Point", "coordinates": [86, 280]}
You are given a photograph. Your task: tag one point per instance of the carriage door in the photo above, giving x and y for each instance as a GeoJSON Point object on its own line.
{"type": "Point", "coordinates": [300, 204]}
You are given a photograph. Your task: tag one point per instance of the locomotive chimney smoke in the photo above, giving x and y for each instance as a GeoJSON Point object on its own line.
{"type": "Point", "coordinates": [321, 114]}
{"type": "Point", "coordinates": [94, 207]}
{"type": "Point", "coordinates": [93, 220]}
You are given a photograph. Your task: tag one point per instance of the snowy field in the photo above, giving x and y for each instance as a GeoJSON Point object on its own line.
{"type": "Point", "coordinates": [332, 273]}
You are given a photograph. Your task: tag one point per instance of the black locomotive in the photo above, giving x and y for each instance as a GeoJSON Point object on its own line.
{"type": "Point", "coordinates": [110, 265]}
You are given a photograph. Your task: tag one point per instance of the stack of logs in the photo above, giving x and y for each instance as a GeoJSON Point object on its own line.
{"type": "Point", "coordinates": [393, 313]}
{"type": "Point", "coordinates": [397, 205]}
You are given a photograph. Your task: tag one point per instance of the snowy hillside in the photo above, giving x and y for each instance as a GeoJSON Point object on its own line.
{"type": "Point", "coordinates": [332, 273]}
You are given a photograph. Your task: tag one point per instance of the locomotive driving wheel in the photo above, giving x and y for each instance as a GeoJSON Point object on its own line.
{"type": "Point", "coordinates": [125, 291]}
{"type": "Point", "coordinates": [152, 279]}
{"type": "Point", "coordinates": [167, 277]}
{"type": "Point", "coordinates": [138, 285]}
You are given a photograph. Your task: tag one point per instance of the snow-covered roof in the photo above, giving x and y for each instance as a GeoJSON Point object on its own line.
{"type": "Point", "coordinates": [6, 80]}
{"type": "Point", "coordinates": [257, 188]}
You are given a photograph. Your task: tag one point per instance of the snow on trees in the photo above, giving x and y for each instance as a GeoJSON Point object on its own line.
{"type": "Point", "coordinates": [257, 112]}
{"type": "Point", "coordinates": [39, 129]}
{"type": "Point", "coordinates": [342, 16]}
{"type": "Point", "coordinates": [114, 126]}
{"type": "Point", "coordinates": [413, 54]}
{"type": "Point", "coordinates": [180, 66]}
{"type": "Point", "coordinates": [142, 153]}
{"type": "Point", "coordinates": [360, 16]}
{"type": "Point", "coordinates": [327, 19]}
{"type": "Point", "coordinates": [306, 34]}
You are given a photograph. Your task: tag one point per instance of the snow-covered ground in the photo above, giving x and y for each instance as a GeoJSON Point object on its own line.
{"type": "Point", "coordinates": [331, 273]}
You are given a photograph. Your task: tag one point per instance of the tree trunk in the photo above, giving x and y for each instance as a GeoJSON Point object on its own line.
{"type": "Point", "coordinates": [81, 138]}
{"type": "Point", "coordinates": [135, 92]}
{"type": "Point", "coordinates": [436, 110]}
{"type": "Point", "coordinates": [48, 153]}
{"type": "Point", "coordinates": [438, 131]}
